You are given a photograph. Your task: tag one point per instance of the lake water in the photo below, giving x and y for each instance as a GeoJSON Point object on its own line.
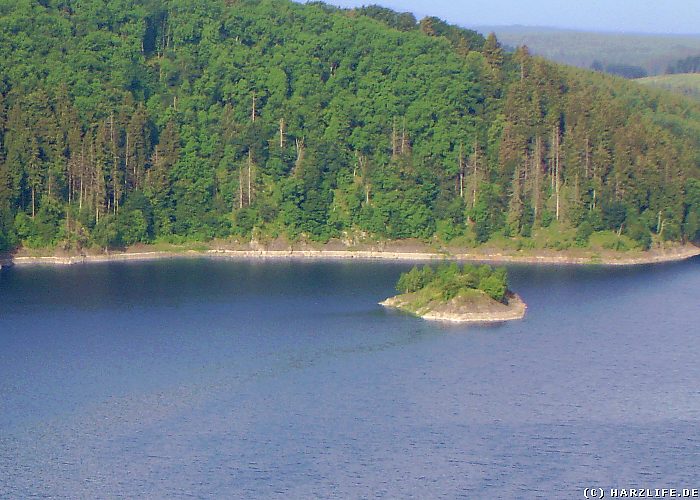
{"type": "Point", "coordinates": [200, 378]}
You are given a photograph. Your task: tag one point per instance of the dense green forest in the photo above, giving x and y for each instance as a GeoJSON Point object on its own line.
{"type": "Point", "coordinates": [130, 121]}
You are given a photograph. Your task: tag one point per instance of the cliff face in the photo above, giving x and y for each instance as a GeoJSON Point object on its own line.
{"type": "Point", "coordinates": [472, 308]}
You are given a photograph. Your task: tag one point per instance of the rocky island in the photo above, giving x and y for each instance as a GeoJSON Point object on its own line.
{"type": "Point", "coordinates": [469, 294]}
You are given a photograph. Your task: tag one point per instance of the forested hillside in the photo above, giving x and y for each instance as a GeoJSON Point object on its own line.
{"type": "Point", "coordinates": [128, 121]}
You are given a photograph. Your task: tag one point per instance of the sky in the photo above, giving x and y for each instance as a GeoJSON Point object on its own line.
{"type": "Point", "coordinates": [629, 16]}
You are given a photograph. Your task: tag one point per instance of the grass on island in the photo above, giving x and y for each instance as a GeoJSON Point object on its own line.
{"type": "Point", "coordinates": [427, 299]}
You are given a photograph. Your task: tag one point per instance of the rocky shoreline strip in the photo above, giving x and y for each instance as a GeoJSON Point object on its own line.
{"type": "Point", "coordinates": [453, 312]}
{"type": "Point", "coordinates": [676, 254]}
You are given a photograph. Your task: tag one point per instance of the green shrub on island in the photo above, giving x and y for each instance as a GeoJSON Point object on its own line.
{"type": "Point", "coordinates": [450, 280]}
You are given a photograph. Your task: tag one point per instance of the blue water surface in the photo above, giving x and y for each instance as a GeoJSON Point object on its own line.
{"type": "Point", "coordinates": [220, 379]}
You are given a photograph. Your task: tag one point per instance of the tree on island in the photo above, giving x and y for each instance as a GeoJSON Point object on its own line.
{"type": "Point", "coordinates": [451, 279]}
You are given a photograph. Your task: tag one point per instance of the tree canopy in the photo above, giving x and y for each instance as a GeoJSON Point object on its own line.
{"type": "Point", "coordinates": [449, 280]}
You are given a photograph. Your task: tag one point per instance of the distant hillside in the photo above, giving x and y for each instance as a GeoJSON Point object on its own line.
{"type": "Point", "coordinates": [686, 84]}
{"type": "Point", "coordinates": [653, 53]}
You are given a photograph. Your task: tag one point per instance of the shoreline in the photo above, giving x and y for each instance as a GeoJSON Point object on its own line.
{"type": "Point", "coordinates": [553, 258]}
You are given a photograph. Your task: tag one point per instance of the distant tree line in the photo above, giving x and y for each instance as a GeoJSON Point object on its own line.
{"type": "Point", "coordinates": [688, 65]}
{"type": "Point", "coordinates": [628, 71]}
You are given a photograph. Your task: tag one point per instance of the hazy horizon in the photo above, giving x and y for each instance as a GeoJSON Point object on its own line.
{"type": "Point", "coordinates": [673, 17]}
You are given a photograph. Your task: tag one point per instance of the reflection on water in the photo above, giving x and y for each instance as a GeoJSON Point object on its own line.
{"type": "Point", "coordinates": [250, 379]}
